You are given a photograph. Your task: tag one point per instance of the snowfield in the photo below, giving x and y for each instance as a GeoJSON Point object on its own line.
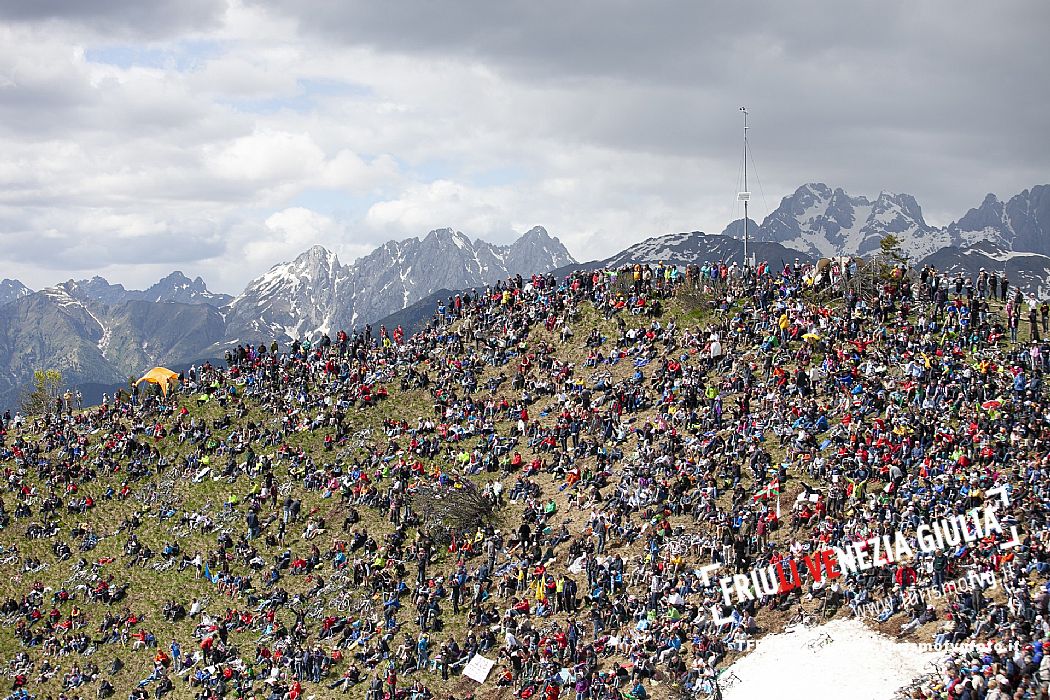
{"type": "Point", "coordinates": [858, 663]}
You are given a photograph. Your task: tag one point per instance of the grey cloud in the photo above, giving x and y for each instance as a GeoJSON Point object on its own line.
{"type": "Point", "coordinates": [676, 41]}
{"type": "Point", "coordinates": [136, 18]}
{"type": "Point", "coordinates": [893, 95]}
{"type": "Point", "coordinates": [70, 246]}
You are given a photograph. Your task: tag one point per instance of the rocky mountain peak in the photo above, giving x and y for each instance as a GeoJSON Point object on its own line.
{"type": "Point", "coordinates": [536, 232]}
{"type": "Point", "coordinates": [95, 289]}
{"type": "Point", "coordinates": [179, 277]}
{"type": "Point", "coordinates": [822, 221]}
{"type": "Point", "coordinates": [441, 237]}
{"type": "Point", "coordinates": [180, 288]}
{"type": "Point", "coordinates": [536, 251]}
{"type": "Point", "coordinates": [316, 256]}
{"type": "Point", "coordinates": [816, 189]}
{"type": "Point", "coordinates": [10, 290]}
{"type": "Point", "coordinates": [988, 219]}
{"type": "Point", "coordinates": [905, 203]}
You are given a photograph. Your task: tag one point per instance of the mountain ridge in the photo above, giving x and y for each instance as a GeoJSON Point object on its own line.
{"type": "Point", "coordinates": [822, 221]}
{"type": "Point", "coordinates": [174, 287]}
{"type": "Point", "coordinates": [315, 293]}
{"type": "Point", "coordinates": [99, 332]}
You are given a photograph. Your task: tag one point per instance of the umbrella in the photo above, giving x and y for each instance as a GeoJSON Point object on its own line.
{"type": "Point", "coordinates": [991, 405]}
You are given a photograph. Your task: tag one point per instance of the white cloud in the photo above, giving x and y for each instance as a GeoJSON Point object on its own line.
{"type": "Point", "coordinates": [266, 158]}
{"type": "Point", "coordinates": [205, 144]}
{"type": "Point", "coordinates": [288, 233]}
{"type": "Point", "coordinates": [479, 211]}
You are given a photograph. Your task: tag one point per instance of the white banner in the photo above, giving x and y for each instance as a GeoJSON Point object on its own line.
{"type": "Point", "coordinates": [478, 668]}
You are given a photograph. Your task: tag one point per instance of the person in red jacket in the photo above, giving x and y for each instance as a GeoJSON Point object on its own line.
{"type": "Point", "coordinates": [905, 575]}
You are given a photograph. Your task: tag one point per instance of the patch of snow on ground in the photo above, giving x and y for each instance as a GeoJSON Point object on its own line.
{"type": "Point", "coordinates": [858, 663]}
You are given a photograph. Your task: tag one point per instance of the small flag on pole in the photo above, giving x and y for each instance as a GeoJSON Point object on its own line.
{"type": "Point", "coordinates": [771, 489]}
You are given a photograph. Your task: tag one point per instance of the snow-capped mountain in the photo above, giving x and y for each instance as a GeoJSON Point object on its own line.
{"type": "Point", "coordinates": [403, 272]}
{"type": "Point", "coordinates": [822, 222]}
{"type": "Point", "coordinates": [700, 247]}
{"type": "Point", "coordinates": [534, 252]}
{"type": "Point", "coordinates": [98, 332]}
{"type": "Point", "coordinates": [291, 299]}
{"type": "Point", "coordinates": [92, 341]}
{"type": "Point", "coordinates": [315, 293]}
{"type": "Point", "coordinates": [1021, 224]}
{"type": "Point", "coordinates": [10, 290]}
{"type": "Point", "coordinates": [179, 288]}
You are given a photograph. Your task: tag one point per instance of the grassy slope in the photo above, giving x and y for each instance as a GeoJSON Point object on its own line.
{"type": "Point", "coordinates": [149, 590]}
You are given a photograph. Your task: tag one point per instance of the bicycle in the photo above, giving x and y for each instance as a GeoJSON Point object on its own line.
{"type": "Point", "coordinates": [727, 679]}
{"type": "Point", "coordinates": [801, 617]}
{"type": "Point", "coordinates": [821, 641]}
{"type": "Point", "coordinates": [315, 610]}
{"type": "Point", "coordinates": [78, 575]}
{"type": "Point", "coordinates": [341, 602]}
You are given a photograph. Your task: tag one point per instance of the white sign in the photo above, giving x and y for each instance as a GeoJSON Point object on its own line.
{"type": "Point", "coordinates": [478, 668]}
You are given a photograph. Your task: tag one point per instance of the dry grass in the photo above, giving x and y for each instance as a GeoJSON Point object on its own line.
{"type": "Point", "coordinates": [149, 591]}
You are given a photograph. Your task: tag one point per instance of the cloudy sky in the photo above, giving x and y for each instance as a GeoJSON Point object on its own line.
{"type": "Point", "coordinates": [221, 136]}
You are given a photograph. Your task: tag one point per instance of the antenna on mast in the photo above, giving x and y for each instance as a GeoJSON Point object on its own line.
{"type": "Point", "coordinates": [745, 195]}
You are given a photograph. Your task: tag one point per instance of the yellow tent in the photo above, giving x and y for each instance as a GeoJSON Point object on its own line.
{"type": "Point", "coordinates": [162, 377]}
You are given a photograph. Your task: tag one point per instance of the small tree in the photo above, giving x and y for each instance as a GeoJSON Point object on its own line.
{"type": "Point", "coordinates": [892, 262]}
{"type": "Point", "coordinates": [41, 397]}
{"type": "Point", "coordinates": [891, 249]}
{"type": "Point", "coordinates": [694, 301]}
{"type": "Point", "coordinates": [452, 507]}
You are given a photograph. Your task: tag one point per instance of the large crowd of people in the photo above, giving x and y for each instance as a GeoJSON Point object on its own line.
{"type": "Point", "coordinates": [603, 436]}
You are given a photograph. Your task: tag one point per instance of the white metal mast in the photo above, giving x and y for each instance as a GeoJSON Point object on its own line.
{"type": "Point", "coordinates": [745, 195]}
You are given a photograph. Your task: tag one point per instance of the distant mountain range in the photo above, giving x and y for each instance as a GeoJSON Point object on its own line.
{"type": "Point", "coordinates": [176, 287]}
{"type": "Point", "coordinates": [99, 333]}
{"type": "Point", "coordinates": [315, 293]}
